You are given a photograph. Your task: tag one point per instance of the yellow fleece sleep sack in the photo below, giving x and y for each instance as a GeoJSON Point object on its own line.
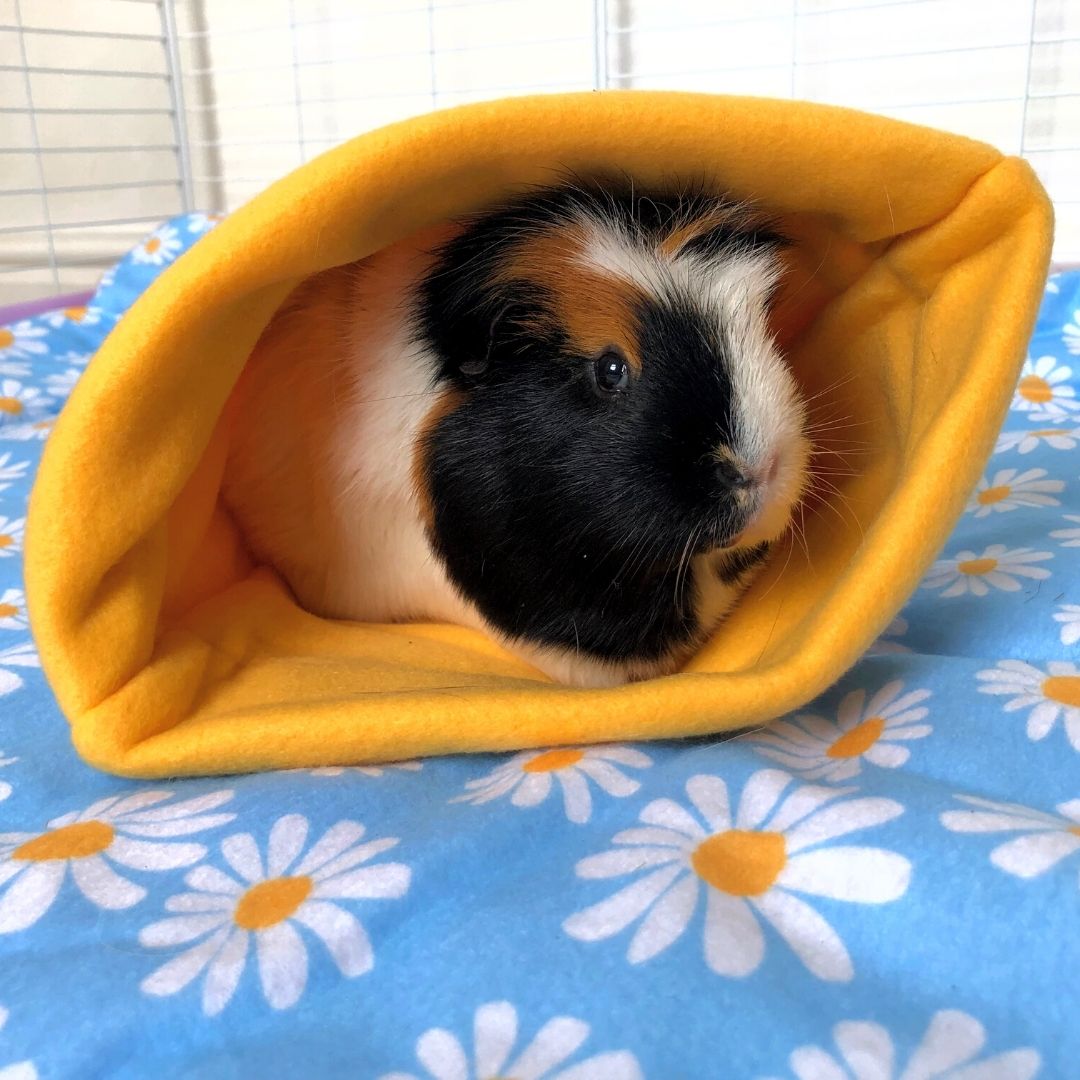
{"type": "Point", "coordinates": [916, 278]}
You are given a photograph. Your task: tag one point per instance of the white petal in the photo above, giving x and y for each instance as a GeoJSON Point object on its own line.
{"type": "Point", "coordinates": [101, 885]}
{"type": "Point", "coordinates": [173, 976]}
{"type": "Point", "coordinates": [126, 804]}
{"type": "Point", "coordinates": [608, 777]}
{"type": "Point", "coordinates": [608, 917]}
{"type": "Point", "coordinates": [803, 801]}
{"type": "Point", "coordinates": [283, 964]}
{"type": "Point", "coordinates": [342, 934]}
{"type": "Point", "coordinates": [621, 755]}
{"type": "Point", "coordinates": [550, 1047]}
{"type": "Point", "coordinates": [494, 1035]}
{"type": "Point", "coordinates": [242, 854]}
{"type": "Point", "coordinates": [532, 790]}
{"type": "Point", "coordinates": [287, 838]}
{"type": "Point", "coordinates": [626, 860]}
{"type": "Point", "coordinates": [199, 902]}
{"type": "Point", "coordinates": [734, 943]}
{"type": "Point", "coordinates": [840, 819]}
{"type": "Point", "coordinates": [577, 802]}
{"type": "Point", "coordinates": [186, 808]}
{"type": "Point", "coordinates": [180, 827]}
{"type": "Point", "coordinates": [332, 843]}
{"type": "Point", "coordinates": [952, 1038]}
{"type": "Point", "coordinates": [668, 814]}
{"type": "Point", "coordinates": [813, 1063]}
{"type": "Point", "coordinates": [665, 922]}
{"type": "Point", "coordinates": [179, 931]}
{"type": "Point", "coordinates": [661, 837]}
{"type": "Point", "coordinates": [146, 855]}
{"type": "Point", "coordinates": [886, 756]}
{"type": "Point", "coordinates": [1013, 1065]}
{"type": "Point", "coordinates": [224, 974]}
{"type": "Point", "coordinates": [441, 1054]}
{"type": "Point", "coordinates": [388, 880]}
{"type": "Point", "coordinates": [361, 853]}
{"type": "Point", "coordinates": [1034, 854]}
{"type": "Point", "coordinates": [92, 812]}
{"type": "Point", "coordinates": [808, 935]}
{"type": "Point", "coordinates": [866, 1048]}
{"type": "Point", "coordinates": [709, 794]}
{"type": "Point", "coordinates": [21, 1070]}
{"type": "Point", "coordinates": [31, 895]}
{"type": "Point", "coordinates": [759, 795]}
{"type": "Point", "coordinates": [212, 880]}
{"type": "Point", "coordinates": [614, 1065]}
{"type": "Point", "coordinates": [860, 875]}
{"type": "Point", "coordinates": [1041, 719]}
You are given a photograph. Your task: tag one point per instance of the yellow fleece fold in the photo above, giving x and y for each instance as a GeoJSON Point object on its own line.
{"type": "Point", "coordinates": [919, 268]}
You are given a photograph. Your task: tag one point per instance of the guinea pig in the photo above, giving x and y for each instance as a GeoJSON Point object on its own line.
{"type": "Point", "coordinates": [562, 421]}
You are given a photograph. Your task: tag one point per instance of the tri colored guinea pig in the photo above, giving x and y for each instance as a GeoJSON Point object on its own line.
{"type": "Point", "coordinates": [562, 421]}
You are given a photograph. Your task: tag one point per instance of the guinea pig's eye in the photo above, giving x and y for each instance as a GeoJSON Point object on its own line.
{"type": "Point", "coordinates": [611, 372]}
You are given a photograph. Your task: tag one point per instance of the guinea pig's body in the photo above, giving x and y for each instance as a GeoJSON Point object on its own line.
{"type": "Point", "coordinates": [563, 422]}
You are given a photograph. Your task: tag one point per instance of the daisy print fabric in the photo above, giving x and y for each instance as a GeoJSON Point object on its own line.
{"type": "Point", "coordinates": [881, 886]}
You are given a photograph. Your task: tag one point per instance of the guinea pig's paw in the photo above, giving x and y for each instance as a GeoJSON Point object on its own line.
{"type": "Point", "coordinates": [573, 668]}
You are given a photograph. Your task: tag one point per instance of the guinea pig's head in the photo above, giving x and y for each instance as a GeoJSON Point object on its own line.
{"type": "Point", "coordinates": [613, 404]}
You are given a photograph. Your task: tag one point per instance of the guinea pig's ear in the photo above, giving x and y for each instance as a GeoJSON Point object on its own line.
{"type": "Point", "coordinates": [475, 363]}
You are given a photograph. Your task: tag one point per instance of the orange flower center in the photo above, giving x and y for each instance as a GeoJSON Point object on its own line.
{"type": "Point", "coordinates": [993, 495]}
{"type": "Point", "coordinates": [152, 245]}
{"type": "Point", "coordinates": [1035, 389]}
{"type": "Point", "coordinates": [77, 841]}
{"type": "Point", "coordinates": [7, 338]}
{"type": "Point", "coordinates": [75, 314]}
{"type": "Point", "coordinates": [553, 760]}
{"type": "Point", "coordinates": [7, 610]}
{"type": "Point", "coordinates": [858, 740]}
{"type": "Point", "coordinates": [1064, 689]}
{"type": "Point", "coordinates": [6, 541]}
{"type": "Point", "coordinates": [740, 863]}
{"type": "Point", "coordinates": [271, 902]}
{"type": "Point", "coordinates": [977, 566]}
{"type": "Point", "coordinates": [12, 406]}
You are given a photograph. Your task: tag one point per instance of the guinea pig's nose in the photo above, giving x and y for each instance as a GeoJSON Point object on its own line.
{"type": "Point", "coordinates": [731, 475]}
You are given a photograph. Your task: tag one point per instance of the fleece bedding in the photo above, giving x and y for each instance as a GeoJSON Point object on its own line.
{"type": "Point", "coordinates": [883, 884]}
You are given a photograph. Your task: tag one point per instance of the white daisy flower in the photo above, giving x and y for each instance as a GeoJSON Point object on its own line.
{"type": "Point", "coordinates": [1049, 694]}
{"type": "Point", "coordinates": [39, 429]}
{"type": "Point", "coordinates": [17, 401]}
{"type": "Point", "coordinates": [886, 642]}
{"type": "Point", "coordinates": [1009, 489]}
{"type": "Point", "coordinates": [108, 278]}
{"type": "Point", "coordinates": [1069, 538]}
{"type": "Point", "coordinates": [997, 567]}
{"type": "Point", "coordinates": [1057, 438]}
{"type": "Point", "coordinates": [201, 223]}
{"type": "Point", "coordinates": [133, 831]}
{"type": "Point", "coordinates": [495, 1034]}
{"type": "Point", "coordinates": [84, 315]}
{"type": "Point", "coordinates": [21, 1070]}
{"type": "Point", "coordinates": [365, 770]}
{"type": "Point", "coordinates": [820, 749]}
{"type": "Point", "coordinates": [1070, 334]}
{"type": "Point", "coordinates": [5, 787]}
{"type": "Point", "coordinates": [22, 339]}
{"type": "Point", "coordinates": [61, 385]}
{"type": "Point", "coordinates": [24, 655]}
{"type": "Point", "coordinates": [12, 610]}
{"type": "Point", "coordinates": [73, 358]}
{"type": "Point", "coordinates": [160, 247]}
{"type": "Point", "coordinates": [1046, 838]}
{"type": "Point", "coordinates": [751, 868]}
{"type": "Point", "coordinates": [11, 536]}
{"type": "Point", "coordinates": [17, 370]}
{"type": "Point", "coordinates": [1044, 389]}
{"type": "Point", "coordinates": [1053, 284]}
{"type": "Point", "coordinates": [527, 777]}
{"type": "Point", "coordinates": [262, 906]}
{"type": "Point", "coordinates": [948, 1051]}
{"type": "Point", "coordinates": [11, 471]}
{"type": "Point", "coordinates": [1069, 617]}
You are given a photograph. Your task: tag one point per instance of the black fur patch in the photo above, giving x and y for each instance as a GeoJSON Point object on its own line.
{"type": "Point", "coordinates": [735, 564]}
{"type": "Point", "coordinates": [569, 518]}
